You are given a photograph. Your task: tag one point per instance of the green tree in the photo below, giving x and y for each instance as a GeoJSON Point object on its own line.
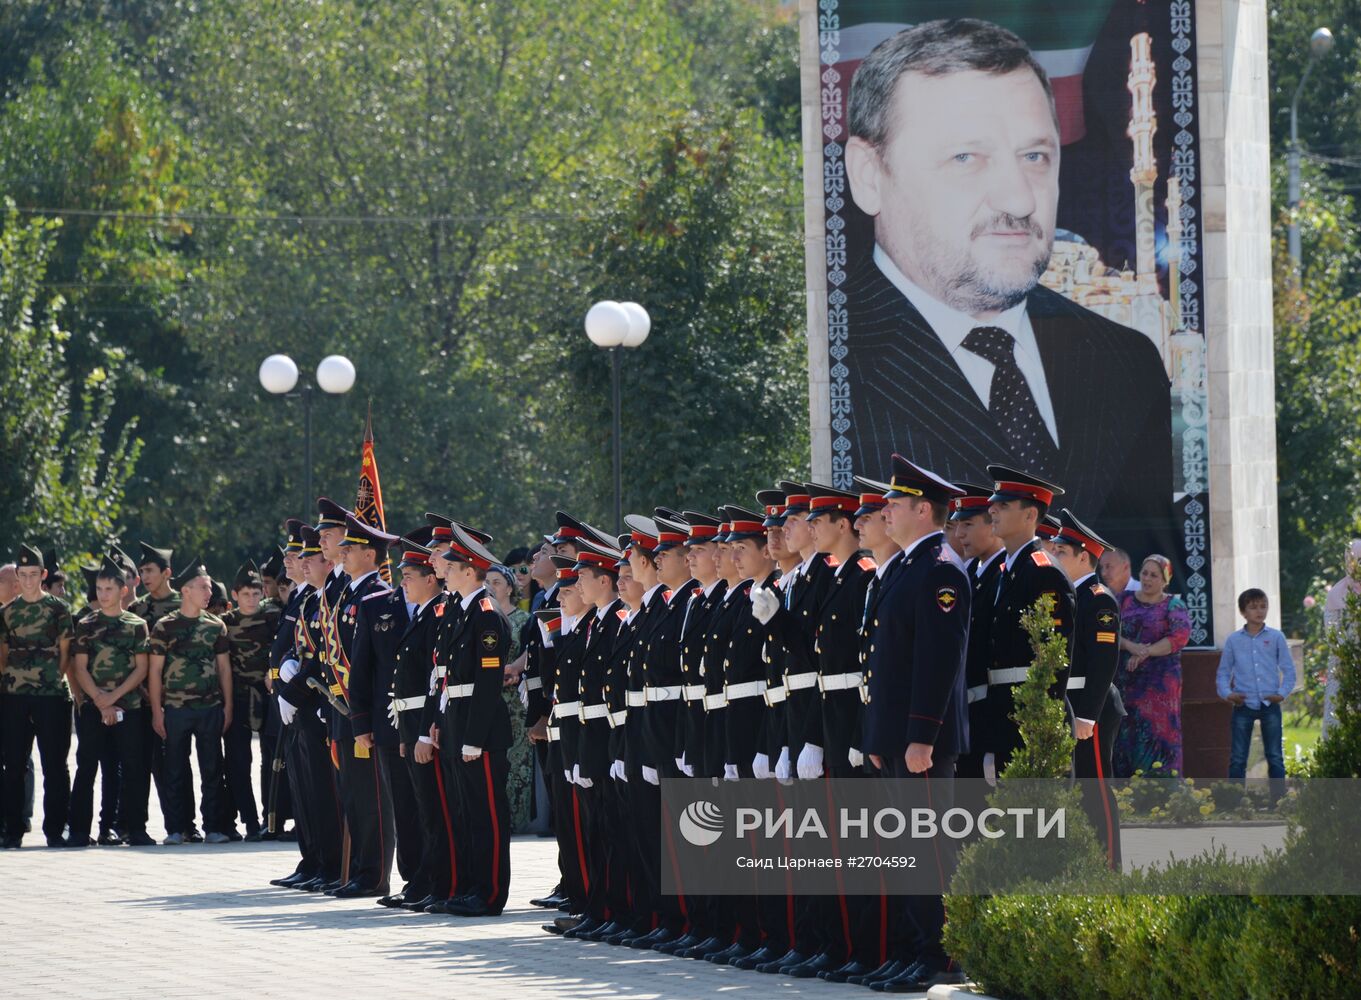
{"type": "Point", "coordinates": [67, 465]}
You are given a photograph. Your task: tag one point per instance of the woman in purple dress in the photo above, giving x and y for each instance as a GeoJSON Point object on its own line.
{"type": "Point", "coordinates": [1154, 626]}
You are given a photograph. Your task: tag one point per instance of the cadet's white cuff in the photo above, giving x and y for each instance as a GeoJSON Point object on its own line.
{"type": "Point", "coordinates": [425, 739]}
{"type": "Point", "coordinates": [1090, 722]}
{"type": "Point", "coordinates": [471, 751]}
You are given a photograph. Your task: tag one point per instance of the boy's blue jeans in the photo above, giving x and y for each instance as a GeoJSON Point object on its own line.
{"type": "Point", "coordinates": [1243, 718]}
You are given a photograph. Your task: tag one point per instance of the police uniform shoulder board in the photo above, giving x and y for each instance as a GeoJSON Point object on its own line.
{"type": "Point", "coordinates": [833, 562]}
{"type": "Point", "coordinates": [485, 604]}
{"type": "Point", "coordinates": [867, 564]}
{"type": "Point", "coordinates": [1041, 558]}
{"type": "Point", "coordinates": [621, 614]}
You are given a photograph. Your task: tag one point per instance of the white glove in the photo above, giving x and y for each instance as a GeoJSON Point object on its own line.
{"type": "Point", "coordinates": [473, 752]}
{"type": "Point", "coordinates": [680, 763]}
{"type": "Point", "coordinates": [650, 775]}
{"type": "Point", "coordinates": [434, 677]}
{"type": "Point", "coordinates": [392, 711]}
{"type": "Point", "coordinates": [764, 604]}
{"type": "Point", "coordinates": [990, 769]}
{"type": "Point", "coordinates": [523, 690]}
{"type": "Point", "coordinates": [621, 772]}
{"type": "Point", "coordinates": [782, 767]}
{"type": "Point", "coordinates": [760, 765]}
{"type": "Point", "coordinates": [288, 670]}
{"type": "Point", "coordinates": [443, 700]}
{"type": "Point", "coordinates": [688, 768]}
{"type": "Point", "coordinates": [567, 774]}
{"type": "Point", "coordinates": [585, 782]}
{"type": "Point", "coordinates": [614, 770]}
{"type": "Point", "coordinates": [856, 758]}
{"type": "Point", "coordinates": [287, 710]}
{"type": "Point", "coordinates": [810, 762]}
{"type": "Point", "coordinates": [730, 772]}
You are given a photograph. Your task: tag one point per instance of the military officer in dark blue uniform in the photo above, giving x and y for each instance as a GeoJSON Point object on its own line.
{"type": "Point", "coordinates": [916, 718]}
{"type": "Point", "coordinates": [1095, 701]}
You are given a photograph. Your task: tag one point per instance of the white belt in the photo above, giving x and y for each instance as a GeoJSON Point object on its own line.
{"type": "Point", "coordinates": [618, 718]}
{"type": "Point", "coordinates": [839, 682]}
{"type": "Point", "coordinates": [441, 669]}
{"type": "Point", "coordinates": [712, 701]}
{"type": "Point", "coordinates": [565, 708]}
{"type": "Point", "coordinates": [406, 704]}
{"type": "Point", "coordinates": [1012, 675]}
{"type": "Point", "coordinates": [977, 693]}
{"type": "Point", "coordinates": [635, 699]}
{"type": "Point", "coordinates": [460, 690]}
{"type": "Point", "coordinates": [554, 734]}
{"type": "Point", "coordinates": [747, 689]}
{"type": "Point", "coordinates": [776, 694]}
{"type": "Point", "coordinates": [1074, 683]}
{"type": "Point", "coordinates": [533, 683]}
{"type": "Point", "coordinates": [599, 711]}
{"type": "Point", "coordinates": [692, 692]}
{"type": "Point", "coordinates": [797, 682]}
{"type": "Point", "coordinates": [661, 693]}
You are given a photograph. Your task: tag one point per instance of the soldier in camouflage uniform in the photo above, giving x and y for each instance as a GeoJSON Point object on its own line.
{"type": "Point", "coordinates": [251, 627]}
{"type": "Point", "coordinates": [35, 638]}
{"type": "Point", "coordinates": [160, 599]}
{"type": "Point", "coordinates": [190, 684]}
{"type": "Point", "coordinates": [110, 652]}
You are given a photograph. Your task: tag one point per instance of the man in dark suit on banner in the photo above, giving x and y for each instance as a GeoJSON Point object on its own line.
{"type": "Point", "coordinates": [956, 354]}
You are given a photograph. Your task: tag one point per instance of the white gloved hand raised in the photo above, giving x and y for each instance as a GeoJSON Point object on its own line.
{"type": "Point", "coordinates": [760, 766]}
{"type": "Point", "coordinates": [856, 758]}
{"type": "Point", "coordinates": [782, 767]}
{"type": "Point", "coordinates": [650, 775]}
{"type": "Point", "coordinates": [810, 762]}
{"type": "Point", "coordinates": [287, 711]}
{"type": "Point", "coordinates": [288, 670]}
{"type": "Point", "coordinates": [730, 772]}
{"type": "Point", "coordinates": [764, 604]}
{"type": "Point", "coordinates": [444, 699]}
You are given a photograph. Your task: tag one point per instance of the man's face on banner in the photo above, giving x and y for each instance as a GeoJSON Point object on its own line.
{"type": "Point", "coordinates": [965, 189]}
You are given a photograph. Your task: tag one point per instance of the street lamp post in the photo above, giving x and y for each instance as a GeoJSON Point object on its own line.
{"type": "Point", "coordinates": [1320, 44]}
{"type": "Point", "coordinates": [279, 376]}
{"type": "Point", "coordinates": [616, 325]}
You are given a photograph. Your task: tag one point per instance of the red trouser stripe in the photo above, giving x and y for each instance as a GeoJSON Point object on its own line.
{"type": "Point", "coordinates": [448, 827]}
{"type": "Point", "coordinates": [1105, 802]}
{"type": "Point", "coordinates": [495, 830]}
{"type": "Point", "coordinates": [581, 845]}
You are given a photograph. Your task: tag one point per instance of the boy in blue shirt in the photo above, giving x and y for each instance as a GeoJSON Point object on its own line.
{"type": "Point", "coordinates": [1255, 674]}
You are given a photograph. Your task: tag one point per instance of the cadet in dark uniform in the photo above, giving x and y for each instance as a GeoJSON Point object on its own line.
{"type": "Point", "coordinates": [367, 801]}
{"type": "Point", "coordinates": [986, 558]}
{"type": "Point", "coordinates": [316, 794]}
{"type": "Point", "coordinates": [1018, 503]}
{"type": "Point", "coordinates": [1095, 701]}
{"type": "Point", "coordinates": [916, 718]}
{"type": "Point", "coordinates": [480, 729]}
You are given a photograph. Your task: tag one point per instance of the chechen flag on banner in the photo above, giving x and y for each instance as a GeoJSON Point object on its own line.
{"type": "Point", "coordinates": [1060, 33]}
{"type": "Point", "coordinates": [368, 502]}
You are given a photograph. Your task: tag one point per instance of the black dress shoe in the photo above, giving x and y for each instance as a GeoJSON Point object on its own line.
{"type": "Point", "coordinates": [549, 902]}
{"type": "Point", "coordinates": [475, 907]}
{"type": "Point", "coordinates": [139, 838]}
{"type": "Point", "coordinates": [821, 962]}
{"type": "Point", "coordinates": [74, 841]}
{"type": "Point", "coordinates": [672, 945]}
{"type": "Point", "coordinates": [844, 972]}
{"type": "Point", "coordinates": [107, 838]}
{"type": "Point", "coordinates": [393, 902]}
{"type": "Point", "coordinates": [887, 970]}
{"type": "Point", "coordinates": [333, 888]}
{"type": "Point", "coordinates": [56, 841]}
{"type": "Point", "coordinates": [792, 957]}
{"type": "Point", "coordinates": [289, 836]}
{"type": "Point", "coordinates": [254, 836]}
{"type": "Point", "coordinates": [605, 930]}
{"type": "Point", "coordinates": [760, 956]}
{"type": "Point", "coordinates": [289, 881]}
{"type": "Point", "coordinates": [710, 944]}
{"type": "Point", "coordinates": [354, 890]}
{"type": "Point", "coordinates": [553, 928]}
{"type": "Point", "coordinates": [729, 954]}
{"type": "Point", "coordinates": [626, 935]}
{"type": "Point", "coordinates": [268, 835]}
{"type": "Point", "coordinates": [234, 835]}
{"type": "Point", "coordinates": [908, 975]}
{"type": "Point", "coordinates": [193, 837]}
{"type": "Point", "coordinates": [920, 978]}
{"type": "Point", "coordinates": [566, 905]}
{"type": "Point", "coordinates": [313, 884]}
{"type": "Point", "coordinates": [11, 843]}
{"type": "Point", "coordinates": [658, 936]}
{"type": "Point", "coordinates": [585, 927]}
{"type": "Point", "coordinates": [720, 946]}
{"type": "Point", "coordinates": [418, 905]}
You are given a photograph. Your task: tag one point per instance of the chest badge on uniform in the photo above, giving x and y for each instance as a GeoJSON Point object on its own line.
{"type": "Point", "coordinates": [947, 598]}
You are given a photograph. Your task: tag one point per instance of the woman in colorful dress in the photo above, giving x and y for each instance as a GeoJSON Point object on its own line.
{"type": "Point", "coordinates": [1154, 627]}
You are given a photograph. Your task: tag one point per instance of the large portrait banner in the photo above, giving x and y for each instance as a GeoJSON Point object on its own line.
{"type": "Point", "coordinates": [1012, 247]}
